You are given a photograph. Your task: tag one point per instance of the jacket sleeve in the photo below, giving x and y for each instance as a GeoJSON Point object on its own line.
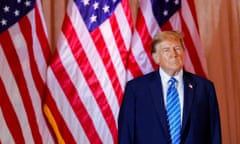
{"type": "Point", "coordinates": [215, 124]}
{"type": "Point", "coordinates": [126, 118]}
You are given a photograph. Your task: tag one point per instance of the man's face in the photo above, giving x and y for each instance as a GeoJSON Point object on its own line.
{"type": "Point", "coordinates": [170, 56]}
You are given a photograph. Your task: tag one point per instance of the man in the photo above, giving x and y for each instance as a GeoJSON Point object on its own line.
{"type": "Point", "coordinates": [170, 105]}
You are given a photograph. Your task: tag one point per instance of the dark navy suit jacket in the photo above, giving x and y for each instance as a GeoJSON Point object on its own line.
{"type": "Point", "coordinates": [143, 120]}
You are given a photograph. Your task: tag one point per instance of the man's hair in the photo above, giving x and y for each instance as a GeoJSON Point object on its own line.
{"type": "Point", "coordinates": [166, 35]}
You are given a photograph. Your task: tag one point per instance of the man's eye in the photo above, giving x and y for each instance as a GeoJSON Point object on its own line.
{"type": "Point", "coordinates": [177, 48]}
{"type": "Point", "coordinates": [166, 50]}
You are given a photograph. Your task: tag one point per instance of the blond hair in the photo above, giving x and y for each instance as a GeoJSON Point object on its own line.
{"type": "Point", "coordinates": [166, 35]}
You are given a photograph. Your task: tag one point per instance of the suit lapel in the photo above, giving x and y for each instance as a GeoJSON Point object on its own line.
{"type": "Point", "coordinates": [157, 96]}
{"type": "Point", "coordinates": [189, 86]}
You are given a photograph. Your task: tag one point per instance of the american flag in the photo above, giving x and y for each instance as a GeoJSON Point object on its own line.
{"type": "Point", "coordinates": [158, 15]}
{"type": "Point", "coordinates": [87, 76]}
{"type": "Point", "coordinates": [98, 52]}
{"type": "Point", "coordinates": [24, 52]}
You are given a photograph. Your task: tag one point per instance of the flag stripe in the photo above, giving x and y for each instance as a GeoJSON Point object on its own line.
{"type": "Point", "coordinates": [193, 12]}
{"type": "Point", "coordinates": [39, 55]}
{"type": "Point", "coordinates": [142, 37]}
{"type": "Point", "coordinates": [120, 28]}
{"type": "Point", "coordinates": [118, 50]}
{"type": "Point", "coordinates": [16, 100]}
{"type": "Point", "coordinates": [146, 13]}
{"type": "Point", "coordinates": [42, 37]}
{"type": "Point", "coordinates": [146, 27]}
{"type": "Point", "coordinates": [5, 134]}
{"type": "Point", "coordinates": [16, 68]}
{"type": "Point", "coordinates": [139, 54]}
{"type": "Point", "coordinates": [194, 34]}
{"type": "Point", "coordinates": [66, 133]}
{"type": "Point", "coordinates": [27, 33]}
{"type": "Point", "coordinates": [145, 35]}
{"type": "Point", "coordinates": [72, 120]}
{"type": "Point", "coordinates": [39, 84]}
{"type": "Point", "coordinates": [10, 115]}
{"type": "Point", "coordinates": [85, 93]}
{"type": "Point", "coordinates": [192, 51]}
{"type": "Point", "coordinates": [120, 55]}
{"type": "Point", "coordinates": [90, 76]}
{"type": "Point", "coordinates": [75, 101]}
{"type": "Point", "coordinates": [166, 26]}
{"type": "Point", "coordinates": [127, 57]}
{"type": "Point", "coordinates": [105, 57]}
{"type": "Point", "coordinates": [95, 61]}
{"type": "Point", "coordinates": [133, 66]}
{"type": "Point", "coordinates": [123, 18]}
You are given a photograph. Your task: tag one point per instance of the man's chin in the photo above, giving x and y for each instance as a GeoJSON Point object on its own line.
{"type": "Point", "coordinates": [176, 69]}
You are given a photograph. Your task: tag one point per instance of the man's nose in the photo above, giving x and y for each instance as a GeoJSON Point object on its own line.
{"type": "Point", "coordinates": [173, 52]}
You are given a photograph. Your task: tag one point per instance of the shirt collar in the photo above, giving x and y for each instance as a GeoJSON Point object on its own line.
{"type": "Point", "coordinates": [165, 77]}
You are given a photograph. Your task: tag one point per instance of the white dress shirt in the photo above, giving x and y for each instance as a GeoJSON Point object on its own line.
{"type": "Point", "coordinates": [179, 85]}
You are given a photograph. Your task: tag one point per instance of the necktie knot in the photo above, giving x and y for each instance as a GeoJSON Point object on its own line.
{"type": "Point", "coordinates": [172, 81]}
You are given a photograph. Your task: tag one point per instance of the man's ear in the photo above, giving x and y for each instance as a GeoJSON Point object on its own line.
{"type": "Point", "coordinates": [156, 58]}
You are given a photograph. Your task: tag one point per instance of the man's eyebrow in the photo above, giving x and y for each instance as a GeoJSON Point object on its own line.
{"type": "Point", "coordinates": [171, 46]}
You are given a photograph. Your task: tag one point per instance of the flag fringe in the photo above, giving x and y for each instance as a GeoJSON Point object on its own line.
{"type": "Point", "coordinates": [53, 124]}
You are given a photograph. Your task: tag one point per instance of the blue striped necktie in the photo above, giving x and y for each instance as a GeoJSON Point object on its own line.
{"type": "Point", "coordinates": [173, 112]}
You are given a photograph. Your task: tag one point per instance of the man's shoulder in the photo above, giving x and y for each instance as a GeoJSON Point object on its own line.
{"type": "Point", "coordinates": [195, 77]}
{"type": "Point", "coordinates": [144, 78]}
